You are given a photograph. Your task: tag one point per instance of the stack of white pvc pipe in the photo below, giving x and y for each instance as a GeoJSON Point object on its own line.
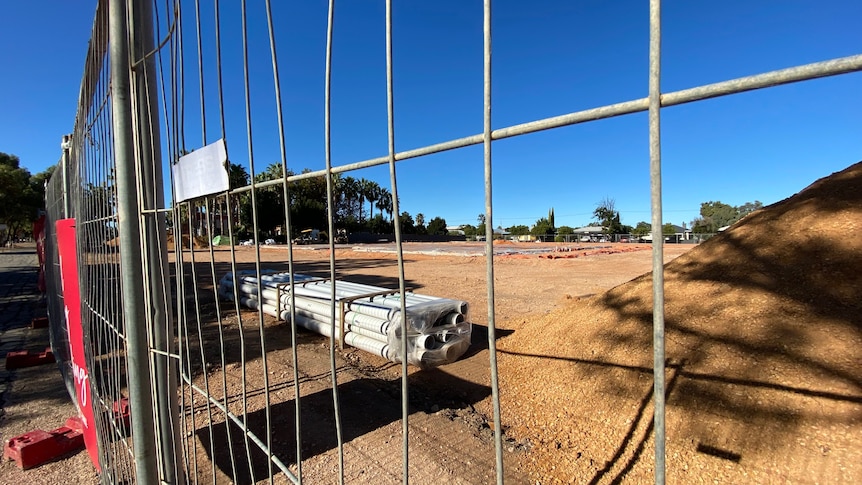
{"type": "Point", "coordinates": [438, 331]}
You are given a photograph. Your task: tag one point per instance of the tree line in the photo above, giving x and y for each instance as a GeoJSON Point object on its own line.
{"type": "Point", "coordinates": [354, 204]}
{"type": "Point", "coordinates": [713, 216]}
{"type": "Point", "coordinates": [21, 196]}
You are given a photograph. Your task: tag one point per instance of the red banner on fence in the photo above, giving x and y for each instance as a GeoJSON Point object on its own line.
{"type": "Point", "coordinates": [67, 249]}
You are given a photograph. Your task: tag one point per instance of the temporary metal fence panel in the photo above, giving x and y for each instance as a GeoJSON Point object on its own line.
{"type": "Point", "coordinates": [237, 398]}
{"type": "Point", "coordinates": [98, 184]}
{"type": "Point", "coordinates": [93, 170]}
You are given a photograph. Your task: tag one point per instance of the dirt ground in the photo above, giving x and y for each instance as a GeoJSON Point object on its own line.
{"type": "Point", "coordinates": [763, 334]}
{"type": "Point", "coordinates": [451, 425]}
{"type": "Point", "coordinates": [763, 360]}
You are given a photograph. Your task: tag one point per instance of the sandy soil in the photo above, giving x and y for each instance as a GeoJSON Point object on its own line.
{"type": "Point", "coordinates": [451, 427]}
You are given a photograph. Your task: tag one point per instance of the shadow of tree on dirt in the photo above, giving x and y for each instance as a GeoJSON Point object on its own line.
{"type": "Point", "coordinates": [768, 320]}
{"type": "Point", "coordinates": [365, 404]}
{"type": "Point", "coordinates": [683, 387]}
{"type": "Point", "coordinates": [640, 414]}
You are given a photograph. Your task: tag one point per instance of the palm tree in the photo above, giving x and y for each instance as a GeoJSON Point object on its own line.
{"type": "Point", "coordinates": [238, 177]}
{"type": "Point", "coordinates": [384, 202]}
{"type": "Point", "coordinates": [363, 191]}
{"type": "Point", "coordinates": [372, 196]}
{"type": "Point", "coordinates": [420, 224]}
{"type": "Point", "coordinates": [348, 192]}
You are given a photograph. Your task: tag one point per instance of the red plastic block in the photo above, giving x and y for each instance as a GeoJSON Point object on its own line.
{"type": "Point", "coordinates": [75, 423]}
{"type": "Point", "coordinates": [122, 411]}
{"type": "Point", "coordinates": [26, 358]}
{"type": "Point", "coordinates": [37, 447]}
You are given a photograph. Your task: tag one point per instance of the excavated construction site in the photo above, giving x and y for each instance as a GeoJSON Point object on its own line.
{"type": "Point", "coordinates": [764, 353]}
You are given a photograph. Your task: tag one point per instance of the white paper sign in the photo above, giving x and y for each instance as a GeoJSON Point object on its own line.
{"type": "Point", "coordinates": [201, 172]}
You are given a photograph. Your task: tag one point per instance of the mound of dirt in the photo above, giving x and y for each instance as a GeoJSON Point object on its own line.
{"type": "Point", "coordinates": [200, 242]}
{"type": "Point", "coordinates": [763, 352]}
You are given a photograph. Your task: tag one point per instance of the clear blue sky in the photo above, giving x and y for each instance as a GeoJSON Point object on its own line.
{"type": "Point", "coordinates": [550, 58]}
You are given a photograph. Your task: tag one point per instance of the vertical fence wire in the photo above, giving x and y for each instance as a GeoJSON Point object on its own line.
{"type": "Point", "coordinates": [260, 315]}
{"type": "Point", "coordinates": [94, 190]}
{"type": "Point", "coordinates": [327, 135]}
{"type": "Point", "coordinates": [657, 237]}
{"type": "Point", "coordinates": [288, 224]}
{"type": "Point", "coordinates": [233, 264]}
{"type": "Point", "coordinates": [393, 180]}
{"type": "Point", "coordinates": [489, 242]}
{"type": "Point", "coordinates": [153, 240]}
{"type": "Point", "coordinates": [129, 228]}
{"type": "Point", "coordinates": [211, 204]}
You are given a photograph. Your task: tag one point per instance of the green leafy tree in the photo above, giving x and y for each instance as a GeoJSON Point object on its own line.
{"type": "Point", "coordinates": [271, 172]}
{"type": "Point", "coordinates": [748, 208]}
{"type": "Point", "coordinates": [437, 226]}
{"type": "Point", "coordinates": [469, 230]}
{"type": "Point", "coordinates": [667, 229]}
{"type": "Point", "coordinates": [608, 217]}
{"type": "Point", "coordinates": [379, 225]}
{"type": "Point", "coordinates": [347, 200]}
{"type": "Point", "coordinates": [308, 203]}
{"type": "Point", "coordinates": [269, 201]}
{"type": "Point", "coordinates": [520, 230]}
{"type": "Point", "coordinates": [373, 196]}
{"type": "Point", "coordinates": [714, 215]}
{"type": "Point", "coordinates": [565, 230]}
{"type": "Point", "coordinates": [551, 219]}
{"type": "Point", "coordinates": [40, 179]}
{"type": "Point", "coordinates": [20, 194]}
{"type": "Point", "coordinates": [420, 224]}
{"type": "Point", "coordinates": [384, 202]}
{"type": "Point", "coordinates": [407, 226]}
{"type": "Point", "coordinates": [642, 229]}
{"type": "Point", "coordinates": [542, 227]}
{"type": "Point", "coordinates": [237, 177]}
{"type": "Point", "coordinates": [366, 192]}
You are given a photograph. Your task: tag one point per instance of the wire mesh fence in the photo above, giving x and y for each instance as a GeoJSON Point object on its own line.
{"type": "Point", "coordinates": [217, 389]}
{"type": "Point", "coordinates": [56, 209]}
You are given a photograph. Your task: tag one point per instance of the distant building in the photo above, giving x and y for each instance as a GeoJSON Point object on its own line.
{"type": "Point", "coordinates": [590, 230]}
{"type": "Point", "coordinates": [589, 233]}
